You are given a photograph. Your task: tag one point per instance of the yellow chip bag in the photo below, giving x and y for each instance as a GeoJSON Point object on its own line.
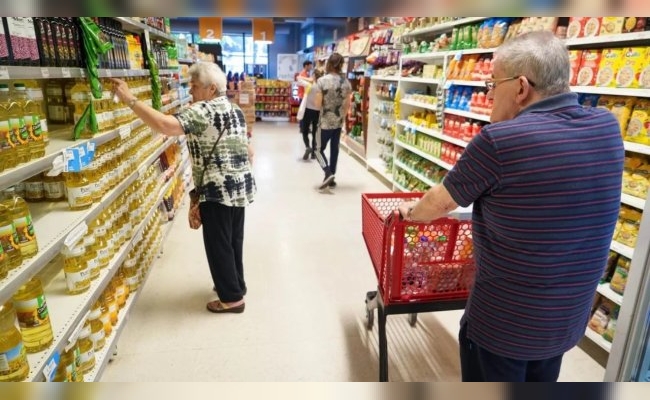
{"type": "Point", "coordinates": [639, 125]}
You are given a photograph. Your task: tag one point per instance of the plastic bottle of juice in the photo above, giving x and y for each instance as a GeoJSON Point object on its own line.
{"type": "Point", "coordinates": [13, 355]}
{"type": "Point", "coordinates": [35, 94]}
{"type": "Point", "coordinates": [79, 190]}
{"type": "Point", "coordinates": [9, 238]}
{"type": "Point", "coordinates": [18, 124]}
{"type": "Point", "coordinates": [22, 222]}
{"type": "Point", "coordinates": [86, 349]}
{"type": "Point", "coordinates": [75, 267]}
{"type": "Point", "coordinates": [31, 111]}
{"type": "Point", "coordinates": [33, 316]}
{"type": "Point", "coordinates": [8, 141]}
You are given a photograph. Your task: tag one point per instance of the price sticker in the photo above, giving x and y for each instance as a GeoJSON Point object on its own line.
{"type": "Point", "coordinates": [82, 72]}
{"type": "Point", "coordinates": [4, 73]}
{"type": "Point", "coordinates": [45, 72]}
{"type": "Point", "coordinates": [65, 72]}
{"type": "Point", "coordinates": [75, 235]}
{"type": "Point", "coordinates": [109, 73]}
{"type": "Point", "coordinates": [125, 131]}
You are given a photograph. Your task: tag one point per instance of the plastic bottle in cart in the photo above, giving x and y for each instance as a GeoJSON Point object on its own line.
{"type": "Point", "coordinates": [33, 316]}
{"type": "Point", "coordinates": [8, 140]}
{"type": "Point", "coordinates": [22, 222]}
{"type": "Point", "coordinates": [13, 355]}
{"type": "Point", "coordinates": [18, 122]}
{"type": "Point", "coordinates": [31, 111]}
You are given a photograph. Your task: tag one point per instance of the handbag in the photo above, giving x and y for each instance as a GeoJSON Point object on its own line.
{"type": "Point", "coordinates": [196, 193]}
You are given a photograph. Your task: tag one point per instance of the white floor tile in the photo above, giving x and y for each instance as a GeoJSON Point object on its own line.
{"type": "Point", "coordinates": [307, 271]}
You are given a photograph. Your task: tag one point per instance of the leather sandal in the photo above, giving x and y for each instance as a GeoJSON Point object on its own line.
{"type": "Point", "coordinates": [218, 307]}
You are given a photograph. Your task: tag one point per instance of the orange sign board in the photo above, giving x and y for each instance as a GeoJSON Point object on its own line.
{"type": "Point", "coordinates": [210, 27]}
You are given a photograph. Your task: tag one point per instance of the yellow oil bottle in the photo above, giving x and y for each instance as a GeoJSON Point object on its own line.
{"type": "Point", "coordinates": [97, 334]}
{"type": "Point", "coordinates": [18, 124]}
{"type": "Point", "coordinates": [75, 267]}
{"type": "Point", "coordinates": [54, 187]}
{"type": "Point", "coordinates": [8, 140]}
{"type": "Point", "coordinates": [80, 96]}
{"type": "Point", "coordinates": [91, 256]}
{"type": "Point", "coordinates": [4, 263]}
{"type": "Point", "coordinates": [13, 355]}
{"type": "Point", "coordinates": [35, 94]}
{"type": "Point", "coordinates": [86, 349]}
{"type": "Point", "coordinates": [109, 300]}
{"type": "Point", "coordinates": [31, 111]}
{"type": "Point", "coordinates": [9, 238]}
{"type": "Point", "coordinates": [121, 288]}
{"type": "Point", "coordinates": [97, 229]}
{"type": "Point", "coordinates": [105, 317]}
{"type": "Point", "coordinates": [79, 190]}
{"type": "Point", "coordinates": [22, 222]}
{"type": "Point", "coordinates": [33, 316]}
{"type": "Point", "coordinates": [34, 189]}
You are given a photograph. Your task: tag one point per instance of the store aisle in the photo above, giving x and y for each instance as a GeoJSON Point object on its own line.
{"type": "Point", "coordinates": [307, 271]}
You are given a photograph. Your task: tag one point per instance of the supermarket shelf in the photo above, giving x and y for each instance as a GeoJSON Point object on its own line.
{"type": "Point", "coordinates": [468, 114]}
{"type": "Point", "coordinates": [378, 165]}
{"type": "Point", "coordinates": [611, 91]}
{"type": "Point", "coordinates": [434, 133]}
{"type": "Point", "coordinates": [20, 72]}
{"type": "Point", "coordinates": [424, 154]}
{"type": "Point", "coordinates": [401, 188]}
{"type": "Point", "coordinates": [354, 146]}
{"type": "Point", "coordinates": [633, 201]}
{"type": "Point", "coordinates": [452, 53]}
{"type": "Point", "coordinates": [599, 340]}
{"type": "Point", "coordinates": [186, 61]}
{"type": "Point", "coordinates": [605, 290]}
{"type": "Point", "coordinates": [428, 106]}
{"type": "Point", "coordinates": [393, 78]}
{"type": "Point", "coordinates": [272, 95]}
{"type": "Point", "coordinates": [622, 249]}
{"type": "Point", "coordinates": [607, 39]}
{"type": "Point", "coordinates": [444, 54]}
{"type": "Point", "coordinates": [275, 119]}
{"type": "Point", "coordinates": [134, 26]}
{"type": "Point", "coordinates": [431, 81]}
{"type": "Point", "coordinates": [629, 146]}
{"type": "Point", "coordinates": [446, 26]}
{"type": "Point", "coordinates": [458, 82]}
{"type": "Point", "coordinates": [54, 221]}
{"type": "Point", "coordinates": [416, 174]}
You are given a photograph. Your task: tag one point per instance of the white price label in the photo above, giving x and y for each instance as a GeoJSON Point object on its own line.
{"type": "Point", "coordinates": [142, 171]}
{"type": "Point", "coordinates": [45, 72]}
{"type": "Point", "coordinates": [75, 235]}
{"type": "Point", "coordinates": [58, 165]}
{"type": "Point", "coordinates": [138, 238]}
{"type": "Point", "coordinates": [72, 340]}
{"type": "Point", "coordinates": [82, 72]}
{"type": "Point", "coordinates": [125, 131]}
{"type": "Point", "coordinates": [109, 73]}
{"type": "Point", "coordinates": [125, 72]}
{"type": "Point", "coordinates": [4, 73]}
{"type": "Point", "coordinates": [65, 72]}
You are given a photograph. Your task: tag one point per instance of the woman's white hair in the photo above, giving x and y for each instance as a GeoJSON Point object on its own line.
{"type": "Point", "coordinates": [208, 73]}
{"type": "Point", "coordinates": [539, 56]}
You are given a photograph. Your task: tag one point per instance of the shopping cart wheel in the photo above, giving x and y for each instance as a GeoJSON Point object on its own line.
{"type": "Point", "coordinates": [413, 319]}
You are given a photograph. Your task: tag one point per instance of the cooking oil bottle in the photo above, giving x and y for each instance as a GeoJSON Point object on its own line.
{"type": "Point", "coordinates": [91, 256]}
{"type": "Point", "coordinates": [13, 355]}
{"type": "Point", "coordinates": [54, 187]}
{"type": "Point", "coordinates": [105, 317]}
{"type": "Point", "coordinates": [33, 316]}
{"type": "Point", "coordinates": [97, 229]}
{"type": "Point", "coordinates": [80, 96]}
{"type": "Point", "coordinates": [79, 190]}
{"type": "Point", "coordinates": [4, 263]}
{"type": "Point", "coordinates": [75, 267]}
{"type": "Point", "coordinates": [34, 189]}
{"type": "Point", "coordinates": [97, 334]}
{"type": "Point", "coordinates": [18, 124]}
{"type": "Point", "coordinates": [109, 300]}
{"type": "Point", "coordinates": [8, 140]}
{"type": "Point", "coordinates": [86, 349]}
{"type": "Point", "coordinates": [9, 238]}
{"type": "Point", "coordinates": [31, 111]}
{"type": "Point", "coordinates": [22, 222]}
{"type": "Point", "coordinates": [35, 94]}
{"type": "Point", "coordinates": [69, 360]}
{"type": "Point", "coordinates": [121, 289]}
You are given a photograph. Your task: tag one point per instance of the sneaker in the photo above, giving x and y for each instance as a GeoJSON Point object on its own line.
{"type": "Point", "coordinates": [329, 177]}
{"type": "Point", "coordinates": [313, 154]}
{"type": "Point", "coordinates": [306, 155]}
{"type": "Point", "coordinates": [332, 183]}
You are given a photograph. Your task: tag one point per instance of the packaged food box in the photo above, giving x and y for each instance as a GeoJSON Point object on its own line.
{"type": "Point", "coordinates": [634, 24]}
{"type": "Point", "coordinates": [643, 78]}
{"type": "Point", "coordinates": [611, 26]}
{"type": "Point", "coordinates": [575, 57]}
{"type": "Point", "coordinates": [638, 128]}
{"type": "Point", "coordinates": [576, 27]}
{"type": "Point", "coordinates": [610, 62]}
{"type": "Point", "coordinates": [589, 67]}
{"type": "Point", "coordinates": [634, 59]}
{"type": "Point", "coordinates": [622, 110]}
{"type": "Point", "coordinates": [592, 27]}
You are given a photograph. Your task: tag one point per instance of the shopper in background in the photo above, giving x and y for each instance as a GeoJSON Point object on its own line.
{"type": "Point", "coordinates": [545, 181]}
{"type": "Point", "coordinates": [332, 98]}
{"type": "Point", "coordinates": [222, 160]}
{"type": "Point", "coordinates": [310, 117]}
{"type": "Point", "coordinates": [304, 78]}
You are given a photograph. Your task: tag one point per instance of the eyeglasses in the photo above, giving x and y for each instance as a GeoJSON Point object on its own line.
{"type": "Point", "coordinates": [490, 84]}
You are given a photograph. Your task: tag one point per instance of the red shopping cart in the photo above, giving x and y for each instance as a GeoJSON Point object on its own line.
{"type": "Point", "coordinates": [420, 267]}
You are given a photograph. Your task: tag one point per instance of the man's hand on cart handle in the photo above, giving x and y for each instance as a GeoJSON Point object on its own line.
{"type": "Point", "coordinates": [436, 203]}
{"type": "Point", "coordinates": [406, 210]}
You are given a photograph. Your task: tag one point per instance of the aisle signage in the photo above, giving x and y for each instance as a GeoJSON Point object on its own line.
{"type": "Point", "coordinates": [210, 27]}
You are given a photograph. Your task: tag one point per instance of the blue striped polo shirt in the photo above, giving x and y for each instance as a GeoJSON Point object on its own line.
{"type": "Point", "coordinates": [546, 188]}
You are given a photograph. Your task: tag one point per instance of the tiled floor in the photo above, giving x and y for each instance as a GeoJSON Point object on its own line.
{"type": "Point", "coordinates": [308, 271]}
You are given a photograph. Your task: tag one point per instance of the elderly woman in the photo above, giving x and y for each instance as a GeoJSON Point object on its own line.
{"type": "Point", "coordinates": [222, 171]}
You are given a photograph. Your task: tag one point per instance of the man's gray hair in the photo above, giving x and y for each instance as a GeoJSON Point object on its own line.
{"type": "Point", "coordinates": [208, 73]}
{"type": "Point", "coordinates": [539, 56]}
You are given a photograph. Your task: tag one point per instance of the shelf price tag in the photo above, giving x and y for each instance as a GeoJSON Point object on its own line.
{"type": "Point", "coordinates": [82, 72]}
{"type": "Point", "coordinates": [109, 73]}
{"type": "Point", "coordinates": [75, 235]}
{"type": "Point", "coordinates": [45, 72]}
{"type": "Point", "coordinates": [125, 131]}
{"type": "Point", "coordinates": [65, 72]}
{"type": "Point", "coordinates": [58, 165]}
{"type": "Point", "coordinates": [72, 340]}
{"type": "Point", "coordinates": [4, 73]}
{"type": "Point", "coordinates": [50, 366]}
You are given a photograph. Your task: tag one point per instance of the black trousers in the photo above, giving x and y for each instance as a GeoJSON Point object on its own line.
{"type": "Point", "coordinates": [323, 137]}
{"type": "Point", "coordinates": [310, 119]}
{"type": "Point", "coordinates": [223, 238]}
{"type": "Point", "coordinates": [480, 365]}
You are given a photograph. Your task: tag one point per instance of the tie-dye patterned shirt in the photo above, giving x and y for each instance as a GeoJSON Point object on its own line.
{"type": "Point", "coordinates": [228, 177]}
{"type": "Point", "coordinates": [335, 89]}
